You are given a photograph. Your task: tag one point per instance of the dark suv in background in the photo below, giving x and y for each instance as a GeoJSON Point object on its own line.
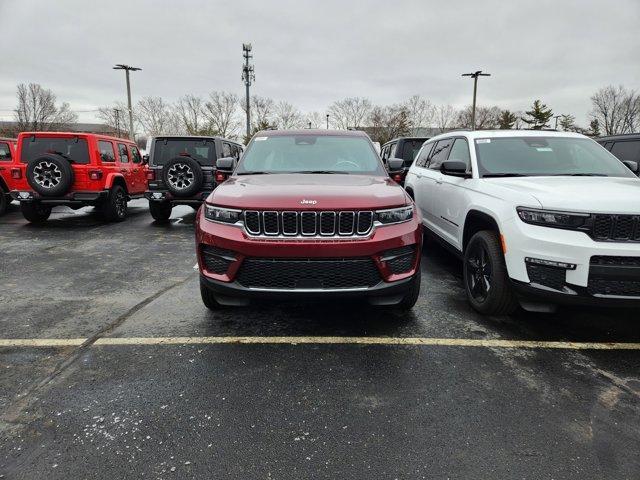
{"type": "Point", "coordinates": [405, 148]}
{"type": "Point", "coordinates": [182, 171]}
{"type": "Point", "coordinates": [625, 147]}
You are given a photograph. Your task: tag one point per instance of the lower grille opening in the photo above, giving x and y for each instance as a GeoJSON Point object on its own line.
{"type": "Point", "coordinates": [217, 260]}
{"type": "Point", "coordinates": [400, 260]}
{"type": "Point", "coordinates": [308, 273]}
{"type": "Point", "coordinates": [552, 277]}
{"type": "Point", "coordinates": [614, 276]}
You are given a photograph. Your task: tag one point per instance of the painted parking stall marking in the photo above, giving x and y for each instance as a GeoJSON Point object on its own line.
{"type": "Point", "coordinates": [313, 340]}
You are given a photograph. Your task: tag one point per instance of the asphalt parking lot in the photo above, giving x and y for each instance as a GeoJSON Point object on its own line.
{"type": "Point", "coordinates": [146, 383]}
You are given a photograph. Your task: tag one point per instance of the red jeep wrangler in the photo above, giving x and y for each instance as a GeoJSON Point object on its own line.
{"type": "Point", "coordinates": [7, 160]}
{"type": "Point", "coordinates": [77, 169]}
{"type": "Point", "coordinates": [309, 213]}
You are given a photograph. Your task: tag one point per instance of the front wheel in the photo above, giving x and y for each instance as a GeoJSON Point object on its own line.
{"type": "Point", "coordinates": [114, 209]}
{"type": "Point", "coordinates": [35, 212]}
{"type": "Point", "coordinates": [160, 211]}
{"type": "Point", "coordinates": [4, 201]}
{"type": "Point", "coordinates": [486, 279]}
{"type": "Point", "coordinates": [208, 298]}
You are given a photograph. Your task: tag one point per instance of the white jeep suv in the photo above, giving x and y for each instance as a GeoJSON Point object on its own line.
{"type": "Point", "coordinates": [540, 218]}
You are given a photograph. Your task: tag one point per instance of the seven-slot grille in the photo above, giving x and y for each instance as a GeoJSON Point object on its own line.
{"type": "Point", "coordinates": [308, 223]}
{"type": "Point", "coordinates": [615, 228]}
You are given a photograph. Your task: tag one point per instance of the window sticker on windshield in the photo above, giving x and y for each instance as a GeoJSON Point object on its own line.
{"type": "Point", "coordinates": [483, 140]}
{"type": "Point", "coordinates": [544, 149]}
{"type": "Point", "coordinates": [260, 139]}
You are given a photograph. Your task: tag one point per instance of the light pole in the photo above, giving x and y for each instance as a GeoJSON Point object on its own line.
{"type": "Point", "coordinates": [327, 121]}
{"type": "Point", "coordinates": [248, 76]}
{"type": "Point", "coordinates": [556, 117]}
{"type": "Point", "coordinates": [475, 76]}
{"type": "Point", "coordinates": [128, 69]}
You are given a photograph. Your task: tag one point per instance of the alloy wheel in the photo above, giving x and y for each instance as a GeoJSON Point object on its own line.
{"type": "Point", "coordinates": [47, 174]}
{"type": "Point", "coordinates": [479, 273]}
{"type": "Point", "coordinates": [180, 176]}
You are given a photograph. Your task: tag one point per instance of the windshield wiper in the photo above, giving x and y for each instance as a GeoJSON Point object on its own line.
{"type": "Point", "coordinates": [498, 175]}
{"type": "Point", "coordinates": [580, 175]}
{"type": "Point", "coordinates": [329, 172]}
{"type": "Point", "coordinates": [253, 173]}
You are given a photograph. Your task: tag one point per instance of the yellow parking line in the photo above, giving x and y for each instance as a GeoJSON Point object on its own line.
{"type": "Point", "coordinates": [411, 341]}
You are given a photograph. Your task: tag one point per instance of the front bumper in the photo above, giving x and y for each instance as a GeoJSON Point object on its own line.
{"type": "Point", "coordinates": [585, 282]}
{"type": "Point", "coordinates": [72, 198]}
{"type": "Point", "coordinates": [233, 239]}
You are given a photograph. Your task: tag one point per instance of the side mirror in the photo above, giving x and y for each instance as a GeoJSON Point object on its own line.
{"type": "Point", "coordinates": [395, 164]}
{"type": "Point", "coordinates": [225, 164]}
{"type": "Point", "coordinates": [456, 168]}
{"type": "Point", "coordinates": [631, 165]}
{"type": "Point", "coordinates": [145, 159]}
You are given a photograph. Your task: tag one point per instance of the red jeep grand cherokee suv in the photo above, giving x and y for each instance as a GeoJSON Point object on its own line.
{"type": "Point", "coordinates": [77, 169]}
{"type": "Point", "coordinates": [308, 213]}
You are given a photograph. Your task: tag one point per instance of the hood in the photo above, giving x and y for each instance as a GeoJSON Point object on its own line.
{"type": "Point", "coordinates": [578, 194]}
{"type": "Point", "coordinates": [309, 192]}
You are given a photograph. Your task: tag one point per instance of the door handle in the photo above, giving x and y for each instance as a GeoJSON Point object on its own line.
{"type": "Point", "coordinates": [439, 182]}
{"type": "Point", "coordinates": [418, 175]}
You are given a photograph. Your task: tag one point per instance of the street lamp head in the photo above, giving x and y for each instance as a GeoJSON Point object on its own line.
{"type": "Point", "coordinates": [121, 66]}
{"type": "Point", "coordinates": [246, 47]}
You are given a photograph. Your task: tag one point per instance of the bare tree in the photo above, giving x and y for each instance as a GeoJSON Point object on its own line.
{"type": "Point", "coordinates": [316, 119]}
{"type": "Point", "coordinates": [190, 110]}
{"type": "Point", "coordinates": [157, 117]}
{"type": "Point", "coordinates": [115, 117]}
{"type": "Point", "coordinates": [420, 111]}
{"type": "Point", "coordinates": [486, 117]}
{"type": "Point", "coordinates": [37, 109]}
{"type": "Point", "coordinates": [222, 114]}
{"type": "Point", "coordinates": [350, 113]}
{"type": "Point", "coordinates": [616, 109]}
{"type": "Point", "coordinates": [287, 116]}
{"type": "Point", "coordinates": [387, 123]}
{"type": "Point", "coordinates": [262, 111]}
{"type": "Point", "coordinates": [445, 116]}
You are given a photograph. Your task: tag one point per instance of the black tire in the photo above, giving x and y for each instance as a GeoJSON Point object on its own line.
{"type": "Point", "coordinates": [183, 176]}
{"type": "Point", "coordinates": [35, 212]}
{"type": "Point", "coordinates": [207, 297]}
{"type": "Point", "coordinates": [114, 208]}
{"type": "Point", "coordinates": [50, 175]}
{"type": "Point", "coordinates": [160, 211]}
{"type": "Point", "coordinates": [486, 280]}
{"type": "Point", "coordinates": [4, 201]}
{"type": "Point", "coordinates": [411, 297]}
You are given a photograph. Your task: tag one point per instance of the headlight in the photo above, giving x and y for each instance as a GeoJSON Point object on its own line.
{"type": "Point", "coordinates": [222, 215]}
{"type": "Point", "coordinates": [394, 215]}
{"type": "Point", "coordinates": [552, 219]}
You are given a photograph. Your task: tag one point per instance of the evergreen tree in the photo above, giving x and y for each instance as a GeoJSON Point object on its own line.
{"type": "Point", "coordinates": [594, 128]}
{"type": "Point", "coordinates": [538, 117]}
{"type": "Point", "coordinates": [507, 120]}
{"type": "Point", "coordinates": [568, 123]}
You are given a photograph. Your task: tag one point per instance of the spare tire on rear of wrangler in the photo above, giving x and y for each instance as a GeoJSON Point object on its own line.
{"type": "Point", "coordinates": [183, 176]}
{"type": "Point", "coordinates": [50, 175]}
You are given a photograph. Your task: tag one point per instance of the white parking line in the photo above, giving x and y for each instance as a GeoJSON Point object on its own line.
{"type": "Point", "coordinates": [410, 341]}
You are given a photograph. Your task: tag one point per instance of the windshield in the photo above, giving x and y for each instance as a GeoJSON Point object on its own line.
{"type": "Point", "coordinates": [72, 148]}
{"type": "Point", "coordinates": [411, 149]}
{"type": "Point", "coordinates": [202, 150]}
{"type": "Point", "coordinates": [543, 156]}
{"type": "Point", "coordinates": [310, 154]}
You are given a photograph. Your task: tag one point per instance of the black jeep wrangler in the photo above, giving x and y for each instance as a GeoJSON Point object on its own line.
{"type": "Point", "coordinates": [182, 171]}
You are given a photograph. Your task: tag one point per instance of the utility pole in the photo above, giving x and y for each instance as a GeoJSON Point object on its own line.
{"type": "Point", "coordinates": [475, 76]}
{"type": "Point", "coordinates": [128, 69]}
{"type": "Point", "coordinates": [116, 112]}
{"type": "Point", "coordinates": [248, 76]}
{"type": "Point", "coordinates": [556, 117]}
{"type": "Point", "coordinates": [327, 121]}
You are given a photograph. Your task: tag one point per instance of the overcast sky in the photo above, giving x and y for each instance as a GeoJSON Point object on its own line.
{"type": "Point", "coordinates": [312, 53]}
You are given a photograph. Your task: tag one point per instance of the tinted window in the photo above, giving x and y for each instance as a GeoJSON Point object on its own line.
{"type": "Point", "coordinates": [201, 150]}
{"type": "Point", "coordinates": [629, 150]}
{"type": "Point", "coordinates": [410, 149]}
{"type": "Point", "coordinates": [135, 155]}
{"type": "Point", "coordinates": [392, 151]}
{"type": "Point", "coordinates": [439, 154]}
{"type": "Point", "coordinates": [460, 151]}
{"type": "Point", "coordinates": [303, 153]}
{"type": "Point", "coordinates": [123, 153]}
{"type": "Point", "coordinates": [106, 151]}
{"type": "Point", "coordinates": [542, 156]}
{"type": "Point", "coordinates": [383, 152]}
{"type": "Point", "coordinates": [423, 156]}
{"type": "Point", "coordinates": [226, 150]}
{"type": "Point", "coordinates": [5, 152]}
{"type": "Point", "coordinates": [608, 145]}
{"type": "Point", "coordinates": [73, 148]}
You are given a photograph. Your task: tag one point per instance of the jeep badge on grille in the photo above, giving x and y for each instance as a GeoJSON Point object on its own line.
{"type": "Point", "coordinates": [304, 201]}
